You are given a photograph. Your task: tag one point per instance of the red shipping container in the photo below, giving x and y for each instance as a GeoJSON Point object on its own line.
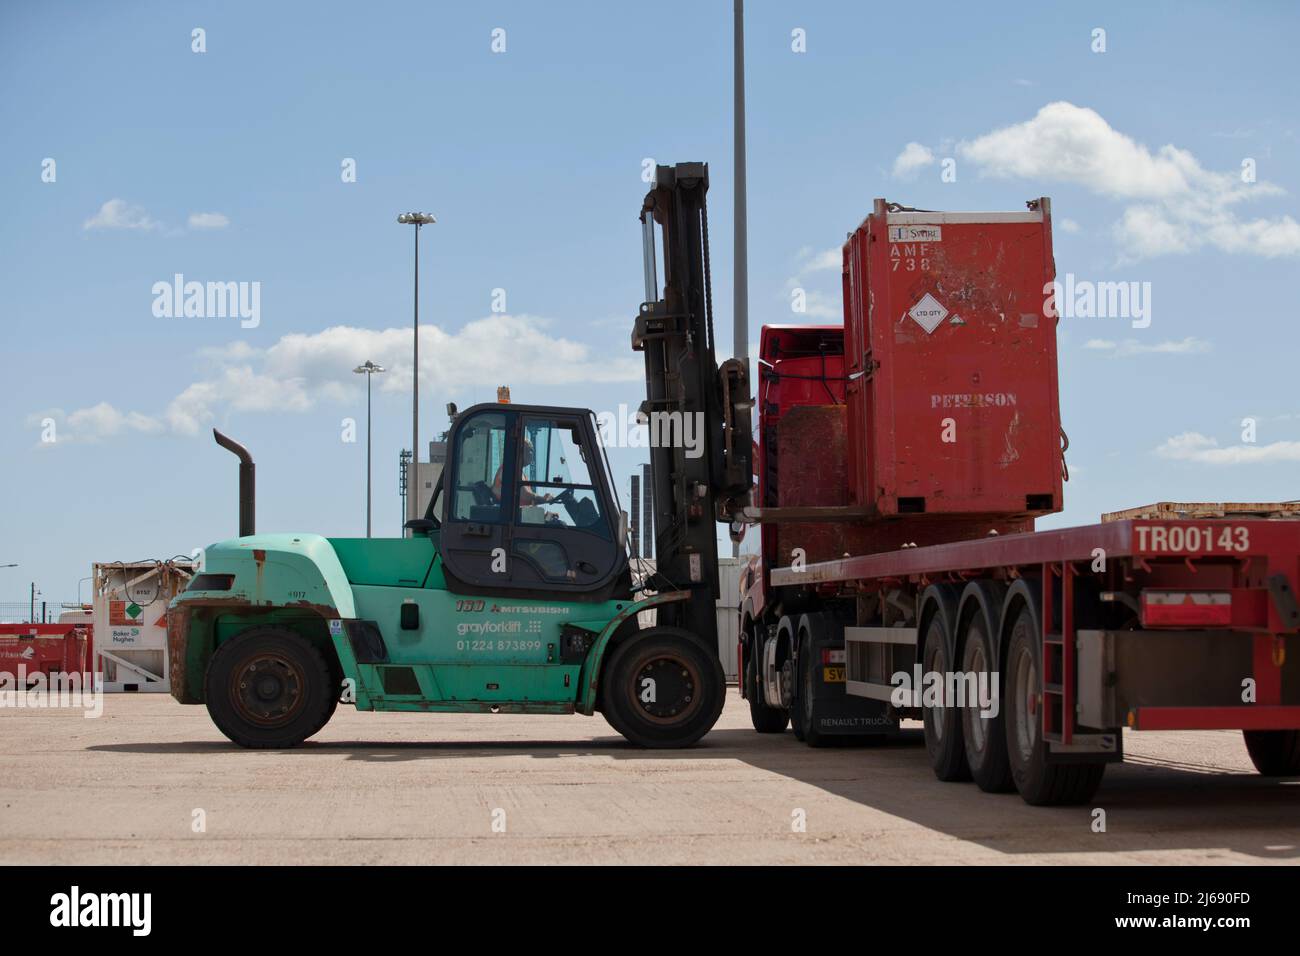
{"type": "Point", "coordinates": [46, 649]}
{"type": "Point", "coordinates": [952, 393]}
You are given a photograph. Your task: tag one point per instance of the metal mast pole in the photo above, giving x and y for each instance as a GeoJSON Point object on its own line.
{"type": "Point", "coordinates": [740, 329]}
{"type": "Point", "coordinates": [368, 377]}
{"type": "Point", "coordinates": [412, 499]}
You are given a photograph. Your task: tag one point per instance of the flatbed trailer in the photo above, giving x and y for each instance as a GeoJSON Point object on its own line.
{"type": "Point", "coordinates": [902, 461]}
{"type": "Point", "coordinates": [1152, 624]}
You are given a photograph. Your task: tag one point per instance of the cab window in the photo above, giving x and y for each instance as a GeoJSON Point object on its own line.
{"type": "Point", "coordinates": [556, 488]}
{"type": "Point", "coordinates": [480, 483]}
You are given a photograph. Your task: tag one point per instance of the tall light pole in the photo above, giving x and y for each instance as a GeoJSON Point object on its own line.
{"type": "Point", "coordinates": [368, 370]}
{"type": "Point", "coordinates": [740, 327]}
{"type": "Point", "coordinates": [416, 219]}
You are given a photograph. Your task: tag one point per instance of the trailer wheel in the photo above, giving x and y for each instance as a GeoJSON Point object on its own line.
{"type": "Point", "coordinates": [943, 730]}
{"type": "Point", "coordinates": [1040, 783]}
{"type": "Point", "coordinates": [663, 689]}
{"type": "Point", "coordinates": [1275, 753]}
{"type": "Point", "coordinates": [269, 687]}
{"type": "Point", "coordinates": [766, 720]}
{"type": "Point", "coordinates": [985, 737]}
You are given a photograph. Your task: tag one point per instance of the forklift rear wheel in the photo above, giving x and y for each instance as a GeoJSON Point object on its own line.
{"type": "Point", "coordinates": [1040, 783]}
{"type": "Point", "coordinates": [765, 719]}
{"type": "Point", "coordinates": [1275, 753]}
{"type": "Point", "coordinates": [664, 689]}
{"type": "Point", "coordinates": [269, 688]}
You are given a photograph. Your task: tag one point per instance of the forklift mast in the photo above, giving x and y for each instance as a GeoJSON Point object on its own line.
{"type": "Point", "coordinates": [698, 412]}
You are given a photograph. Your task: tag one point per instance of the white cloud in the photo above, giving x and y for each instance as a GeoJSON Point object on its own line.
{"type": "Point", "coordinates": [105, 421]}
{"type": "Point", "coordinates": [94, 423]}
{"type": "Point", "coordinates": [1177, 205]}
{"type": "Point", "coordinates": [817, 305]}
{"type": "Point", "coordinates": [208, 220]}
{"type": "Point", "coordinates": [913, 158]}
{"type": "Point", "coordinates": [302, 371]}
{"type": "Point", "coordinates": [832, 258]}
{"type": "Point", "coordinates": [119, 214]}
{"type": "Point", "coordinates": [1193, 446]}
{"type": "Point", "coordinates": [1067, 225]}
{"type": "Point", "coordinates": [1188, 346]}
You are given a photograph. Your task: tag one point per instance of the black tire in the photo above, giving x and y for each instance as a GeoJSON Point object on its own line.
{"type": "Point", "coordinates": [800, 713]}
{"type": "Point", "coordinates": [292, 698]}
{"type": "Point", "coordinates": [766, 720]}
{"type": "Point", "coordinates": [806, 694]}
{"type": "Point", "coordinates": [1040, 783]}
{"type": "Point", "coordinates": [943, 730]}
{"type": "Point", "coordinates": [688, 689]}
{"type": "Point", "coordinates": [1275, 753]}
{"type": "Point", "coordinates": [985, 738]}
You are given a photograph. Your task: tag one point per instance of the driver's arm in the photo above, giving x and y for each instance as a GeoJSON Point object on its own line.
{"type": "Point", "coordinates": [529, 497]}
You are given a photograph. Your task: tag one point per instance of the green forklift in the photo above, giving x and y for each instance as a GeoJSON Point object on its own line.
{"type": "Point", "coordinates": [514, 593]}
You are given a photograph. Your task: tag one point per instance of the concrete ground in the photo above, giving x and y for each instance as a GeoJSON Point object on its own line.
{"type": "Point", "coordinates": [132, 786]}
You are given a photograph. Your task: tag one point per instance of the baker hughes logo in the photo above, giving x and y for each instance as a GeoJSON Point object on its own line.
{"type": "Point", "coordinates": [77, 909]}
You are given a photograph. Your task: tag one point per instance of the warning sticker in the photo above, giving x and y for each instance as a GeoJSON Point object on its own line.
{"type": "Point", "coordinates": [124, 613]}
{"type": "Point", "coordinates": [928, 313]}
{"type": "Point", "coordinates": [915, 234]}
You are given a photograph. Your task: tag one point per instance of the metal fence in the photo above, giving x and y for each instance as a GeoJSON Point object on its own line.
{"type": "Point", "coordinates": [43, 612]}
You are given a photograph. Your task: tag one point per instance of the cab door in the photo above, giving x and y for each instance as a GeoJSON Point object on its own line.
{"type": "Point", "coordinates": [564, 533]}
{"type": "Point", "coordinates": [529, 511]}
{"type": "Point", "coordinates": [477, 494]}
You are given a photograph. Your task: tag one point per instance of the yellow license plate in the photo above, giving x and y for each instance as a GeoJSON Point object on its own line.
{"type": "Point", "coordinates": [833, 675]}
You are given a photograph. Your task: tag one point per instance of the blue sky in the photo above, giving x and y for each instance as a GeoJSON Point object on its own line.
{"type": "Point", "coordinates": [226, 166]}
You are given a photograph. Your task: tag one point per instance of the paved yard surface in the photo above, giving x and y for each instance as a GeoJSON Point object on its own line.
{"type": "Point", "coordinates": [399, 788]}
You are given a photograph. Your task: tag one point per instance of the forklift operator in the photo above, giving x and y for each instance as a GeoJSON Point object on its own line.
{"type": "Point", "coordinates": [526, 495]}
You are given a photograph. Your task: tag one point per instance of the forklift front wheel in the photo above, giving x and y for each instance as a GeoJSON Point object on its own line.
{"type": "Point", "coordinates": [268, 687]}
{"type": "Point", "coordinates": [663, 689]}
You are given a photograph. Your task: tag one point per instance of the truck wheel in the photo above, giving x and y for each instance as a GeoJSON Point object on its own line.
{"type": "Point", "coordinates": [1275, 753]}
{"type": "Point", "coordinates": [805, 696]}
{"type": "Point", "coordinates": [800, 709]}
{"type": "Point", "coordinates": [766, 720]}
{"type": "Point", "coordinates": [269, 687]}
{"type": "Point", "coordinates": [1040, 783]}
{"type": "Point", "coordinates": [943, 736]}
{"type": "Point", "coordinates": [985, 737]}
{"type": "Point", "coordinates": [664, 689]}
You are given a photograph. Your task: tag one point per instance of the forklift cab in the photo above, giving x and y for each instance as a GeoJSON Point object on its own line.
{"type": "Point", "coordinates": [527, 505]}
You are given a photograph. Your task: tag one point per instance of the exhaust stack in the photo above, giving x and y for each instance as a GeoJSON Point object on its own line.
{"type": "Point", "coordinates": [247, 483]}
